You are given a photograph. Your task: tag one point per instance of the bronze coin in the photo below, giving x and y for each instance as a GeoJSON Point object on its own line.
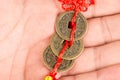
{"type": "Point", "coordinates": [50, 60]}
{"type": "Point", "coordinates": [72, 52]}
{"type": "Point", "coordinates": [62, 25]}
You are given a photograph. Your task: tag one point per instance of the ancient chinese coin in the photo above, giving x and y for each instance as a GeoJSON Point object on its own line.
{"type": "Point", "coordinates": [72, 52]}
{"type": "Point", "coordinates": [50, 60]}
{"type": "Point", "coordinates": [62, 25]}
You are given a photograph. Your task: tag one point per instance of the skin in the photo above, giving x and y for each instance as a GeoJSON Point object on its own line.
{"type": "Point", "coordinates": [26, 27]}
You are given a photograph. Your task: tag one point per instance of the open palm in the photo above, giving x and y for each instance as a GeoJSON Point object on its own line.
{"type": "Point", "coordinates": [26, 27]}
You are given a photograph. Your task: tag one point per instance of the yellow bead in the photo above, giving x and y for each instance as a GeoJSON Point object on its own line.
{"type": "Point", "coordinates": [48, 78]}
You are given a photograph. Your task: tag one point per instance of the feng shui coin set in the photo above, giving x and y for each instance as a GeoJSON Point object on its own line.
{"type": "Point", "coordinates": [62, 34]}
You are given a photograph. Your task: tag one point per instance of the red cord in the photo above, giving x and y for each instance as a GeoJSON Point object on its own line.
{"type": "Point", "coordinates": [59, 60]}
{"type": "Point", "coordinates": [77, 6]}
{"type": "Point", "coordinates": [80, 5]}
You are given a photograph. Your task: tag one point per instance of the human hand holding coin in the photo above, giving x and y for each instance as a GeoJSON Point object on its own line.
{"type": "Point", "coordinates": [26, 30]}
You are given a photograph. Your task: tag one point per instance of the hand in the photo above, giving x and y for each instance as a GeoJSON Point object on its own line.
{"type": "Point", "coordinates": [26, 28]}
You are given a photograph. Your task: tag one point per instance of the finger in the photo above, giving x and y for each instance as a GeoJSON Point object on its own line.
{"type": "Point", "coordinates": [100, 8]}
{"type": "Point", "coordinates": [109, 73]}
{"type": "Point", "coordinates": [96, 58]}
{"type": "Point", "coordinates": [102, 30]}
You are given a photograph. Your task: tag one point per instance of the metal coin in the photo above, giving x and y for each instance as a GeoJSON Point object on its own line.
{"type": "Point", "coordinates": [50, 60]}
{"type": "Point", "coordinates": [62, 25]}
{"type": "Point", "coordinates": [72, 52]}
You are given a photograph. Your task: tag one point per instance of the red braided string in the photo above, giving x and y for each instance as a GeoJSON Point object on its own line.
{"type": "Point", "coordinates": [77, 6]}
{"type": "Point", "coordinates": [59, 59]}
